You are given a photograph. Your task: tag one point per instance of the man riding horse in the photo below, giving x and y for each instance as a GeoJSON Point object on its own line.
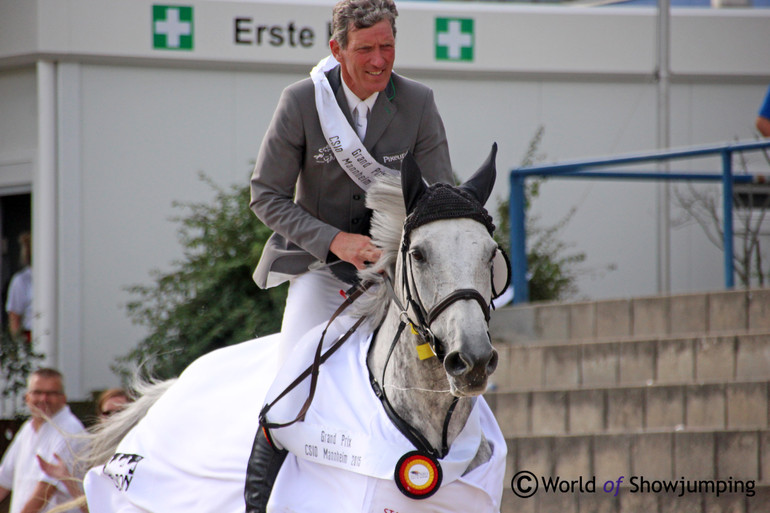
{"type": "Point", "coordinates": [313, 169]}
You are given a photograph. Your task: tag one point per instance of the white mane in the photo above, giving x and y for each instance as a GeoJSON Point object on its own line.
{"type": "Point", "coordinates": [387, 203]}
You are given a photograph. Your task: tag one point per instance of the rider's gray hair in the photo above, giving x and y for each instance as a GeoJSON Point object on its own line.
{"type": "Point", "coordinates": [361, 14]}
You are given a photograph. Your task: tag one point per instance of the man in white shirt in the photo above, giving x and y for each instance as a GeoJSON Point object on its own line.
{"type": "Point", "coordinates": [51, 430]}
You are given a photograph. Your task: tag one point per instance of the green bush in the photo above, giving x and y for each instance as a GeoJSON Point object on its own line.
{"type": "Point", "coordinates": [208, 300]}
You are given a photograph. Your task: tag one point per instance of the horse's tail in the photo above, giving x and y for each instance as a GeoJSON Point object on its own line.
{"type": "Point", "coordinates": [101, 441]}
{"type": "Point", "coordinates": [105, 436]}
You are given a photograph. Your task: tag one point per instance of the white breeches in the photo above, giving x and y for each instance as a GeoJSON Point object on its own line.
{"type": "Point", "coordinates": [312, 299]}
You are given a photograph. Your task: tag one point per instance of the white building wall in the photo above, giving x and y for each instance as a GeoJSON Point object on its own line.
{"type": "Point", "coordinates": [135, 126]}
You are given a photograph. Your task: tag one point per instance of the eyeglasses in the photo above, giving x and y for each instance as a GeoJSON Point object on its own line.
{"type": "Point", "coordinates": [48, 393]}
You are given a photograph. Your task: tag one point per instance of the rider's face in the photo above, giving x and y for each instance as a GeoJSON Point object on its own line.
{"type": "Point", "coordinates": [367, 61]}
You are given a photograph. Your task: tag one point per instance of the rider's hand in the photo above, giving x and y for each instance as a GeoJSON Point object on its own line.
{"type": "Point", "coordinates": [356, 249]}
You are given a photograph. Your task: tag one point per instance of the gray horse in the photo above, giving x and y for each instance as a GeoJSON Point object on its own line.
{"type": "Point", "coordinates": [377, 411]}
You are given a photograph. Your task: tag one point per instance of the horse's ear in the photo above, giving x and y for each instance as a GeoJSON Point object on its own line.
{"type": "Point", "coordinates": [480, 184]}
{"type": "Point", "coordinates": [412, 184]}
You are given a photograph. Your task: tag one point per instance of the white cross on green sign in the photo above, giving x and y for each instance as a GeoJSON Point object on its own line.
{"type": "Point", "coordinates": [454, 39]}
{"type": "Point", "coordinates": [172, 27]}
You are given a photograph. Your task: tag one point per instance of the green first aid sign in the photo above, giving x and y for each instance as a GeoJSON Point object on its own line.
{"type": "Point", "coordinates": [454, 39]}
{"type": "Point", "coordinates": [172, 27]}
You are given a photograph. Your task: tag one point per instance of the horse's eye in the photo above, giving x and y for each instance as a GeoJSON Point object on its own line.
{"type": "Point", "coordinates": [417, 255]}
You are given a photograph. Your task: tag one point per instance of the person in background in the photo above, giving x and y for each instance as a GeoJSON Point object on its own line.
{"type": "Point", "coordinates": [354, 110]}
{"type": "Point", "coordinates": [763, 117]}
{"type": "Point", "coordinates": [51, 432]}
{"type": "Point", "coordinates": [108, 403]}
{"type": "Point", "coordinates": [19, 302]}
{"type": "Point", "coordinates": [111, 401]}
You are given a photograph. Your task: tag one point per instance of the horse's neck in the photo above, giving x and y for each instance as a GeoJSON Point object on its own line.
{"type": "Point", "coordinates": [417, 389]}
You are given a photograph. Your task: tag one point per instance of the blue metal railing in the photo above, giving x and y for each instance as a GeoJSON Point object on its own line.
{"type": "Point", "coordinates": [585, 169]}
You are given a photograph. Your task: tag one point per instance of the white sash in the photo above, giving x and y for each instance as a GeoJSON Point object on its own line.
{"type": "Point", "coordinates": [343, 140]}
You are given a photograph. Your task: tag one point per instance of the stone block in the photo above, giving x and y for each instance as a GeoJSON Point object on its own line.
{"type": "Point", "coordinates": [599, 364]}
{"type": "Point", "coordinates": [582, 320]}
{"type": "Point", "coordinates": [586, 411]}
{"type": "Point", "coordinates": [724, 504]}
{"type": "Point", "coordinates": [715, 358]}
{"type": "Point", "coordinates": [625, 409]}
{"type": "Point", "coordinates": [513, 504]}
{"type": "Point", "coordinates": [764, 455]}
{"type": "Point", "coordinates": [760, 502]}
{"type": "Point", "coordinates": [561, 502]}
{"type": "Point", "coordinates": [675, 361]}
{"type": "Point", "coordinates": [673, 503]}
{"type": "Point", "coordinates": [513, 324]}
{"type": "Point", "coordinates": [728, 311]}
{"type": "Point", "coordinates": [612, 457]}
{"type": "Point", "coordinates": [649, 316]}
{"type": "Point", "coordinates": [572, 457]}
{"type": "Point", "coordinates": [637, 362]}
{"type": "Point", "coordinates": [598, 502]}
{"type": "Point", "coordinates": [737, 455]}
{"type": "Point", "coordinates": [613, 318]}
{"type": "Point", "coordinates": [525, 367]}
{"type": "Point", "coordinates": [688, 314]}
{"type": "Point", "coordinates": [664, 407]}
{"type": "Point", "coordinates": [501, 379]}
{"type": "Point", "coordinates": [705, 406]}
{"type": "Point", "coordinates": [512, 413]}
{"type": "Point", "coordinates": [752, 359]}
{"type": "Point", "coordinates": [694, 455]}
{"type": "Point", "coordinates": [533, 454]}
{"type": "Point", "coordinates": [549, 413]}
{"type": "Point", "coordinates": [747, 405]}
{"type": "Point", "coordinates": [638, 502]}
{"type": "Point", "coordinates": [759, 310]}
{"type": "Point", "coordinates": [552, 322]}
{"type": "Point", "coordinates": [652, 455]}
{"type": "Point", "coordinates": [561, 366]}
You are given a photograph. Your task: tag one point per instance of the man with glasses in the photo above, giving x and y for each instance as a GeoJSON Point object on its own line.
{"type": "Point", "coordinates": [51, 430]}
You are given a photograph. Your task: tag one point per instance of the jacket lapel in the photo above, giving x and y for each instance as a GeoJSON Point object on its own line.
{"type": "Point", "coordinates": [382, 114]}
{"type": "Point", "coordinates": [335, 81]}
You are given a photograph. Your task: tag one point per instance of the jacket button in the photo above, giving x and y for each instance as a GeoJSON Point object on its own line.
{"type": "Point", "coordinates": [354, 221]}
{"type": "Point", "coordinates": [356, 197]}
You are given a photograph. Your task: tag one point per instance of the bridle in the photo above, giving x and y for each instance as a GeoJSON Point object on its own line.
{"type": "Point", "coordinates": [424, 317]}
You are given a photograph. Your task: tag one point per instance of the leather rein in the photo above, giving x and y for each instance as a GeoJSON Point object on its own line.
{"type": "Point", "coordinates": [420, 326]}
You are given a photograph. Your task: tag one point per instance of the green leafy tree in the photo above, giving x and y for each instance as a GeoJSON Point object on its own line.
{"type": "Point", "coordinates": [208, 300]}
{"type": "Point", "coordinates": [552, 263]}
{"type": "Point", "coordinates": [17, 360]}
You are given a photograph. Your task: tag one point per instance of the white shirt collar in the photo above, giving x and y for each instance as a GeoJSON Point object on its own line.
{"type": "Point", "coordinates": [354, 100]}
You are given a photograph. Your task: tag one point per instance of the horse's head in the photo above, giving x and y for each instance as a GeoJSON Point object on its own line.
{"type": "Point", "coordinates": [445, 272]}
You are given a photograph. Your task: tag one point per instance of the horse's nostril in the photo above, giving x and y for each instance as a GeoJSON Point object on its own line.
{"type": "Point", "coordinates": [455, 364]}
{"type": "Point", "coordinates": [492, 363]}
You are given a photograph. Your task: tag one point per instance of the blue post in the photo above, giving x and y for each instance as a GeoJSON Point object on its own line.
{"type": "Point", "coordinates": [517, 218]}
{"type": "Point", "coordinates": [727, 207]}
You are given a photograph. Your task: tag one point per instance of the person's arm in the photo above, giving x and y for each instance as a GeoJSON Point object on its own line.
{"type": "Point", "coordinates": [763, 125]}
{"type": "Point", "coordinates": [275, 177]}
{"type": "Point", "coordinates": [40, 498]}
{"type": "Point", "coordinates": [61, 473]}
{"type": "Point", "coordinates": [4, 492]}
{"type": "Point", "coordinates": [14, 323]}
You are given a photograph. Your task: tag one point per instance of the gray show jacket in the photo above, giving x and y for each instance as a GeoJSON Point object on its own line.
{"type": "Point", "coordinates": [300, 191]}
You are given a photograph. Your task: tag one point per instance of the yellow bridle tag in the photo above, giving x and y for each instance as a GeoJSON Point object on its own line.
{"type": "Point", "coordinates": [424, 351]}
{"type": "Point", "coordinates": [414, 331]}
